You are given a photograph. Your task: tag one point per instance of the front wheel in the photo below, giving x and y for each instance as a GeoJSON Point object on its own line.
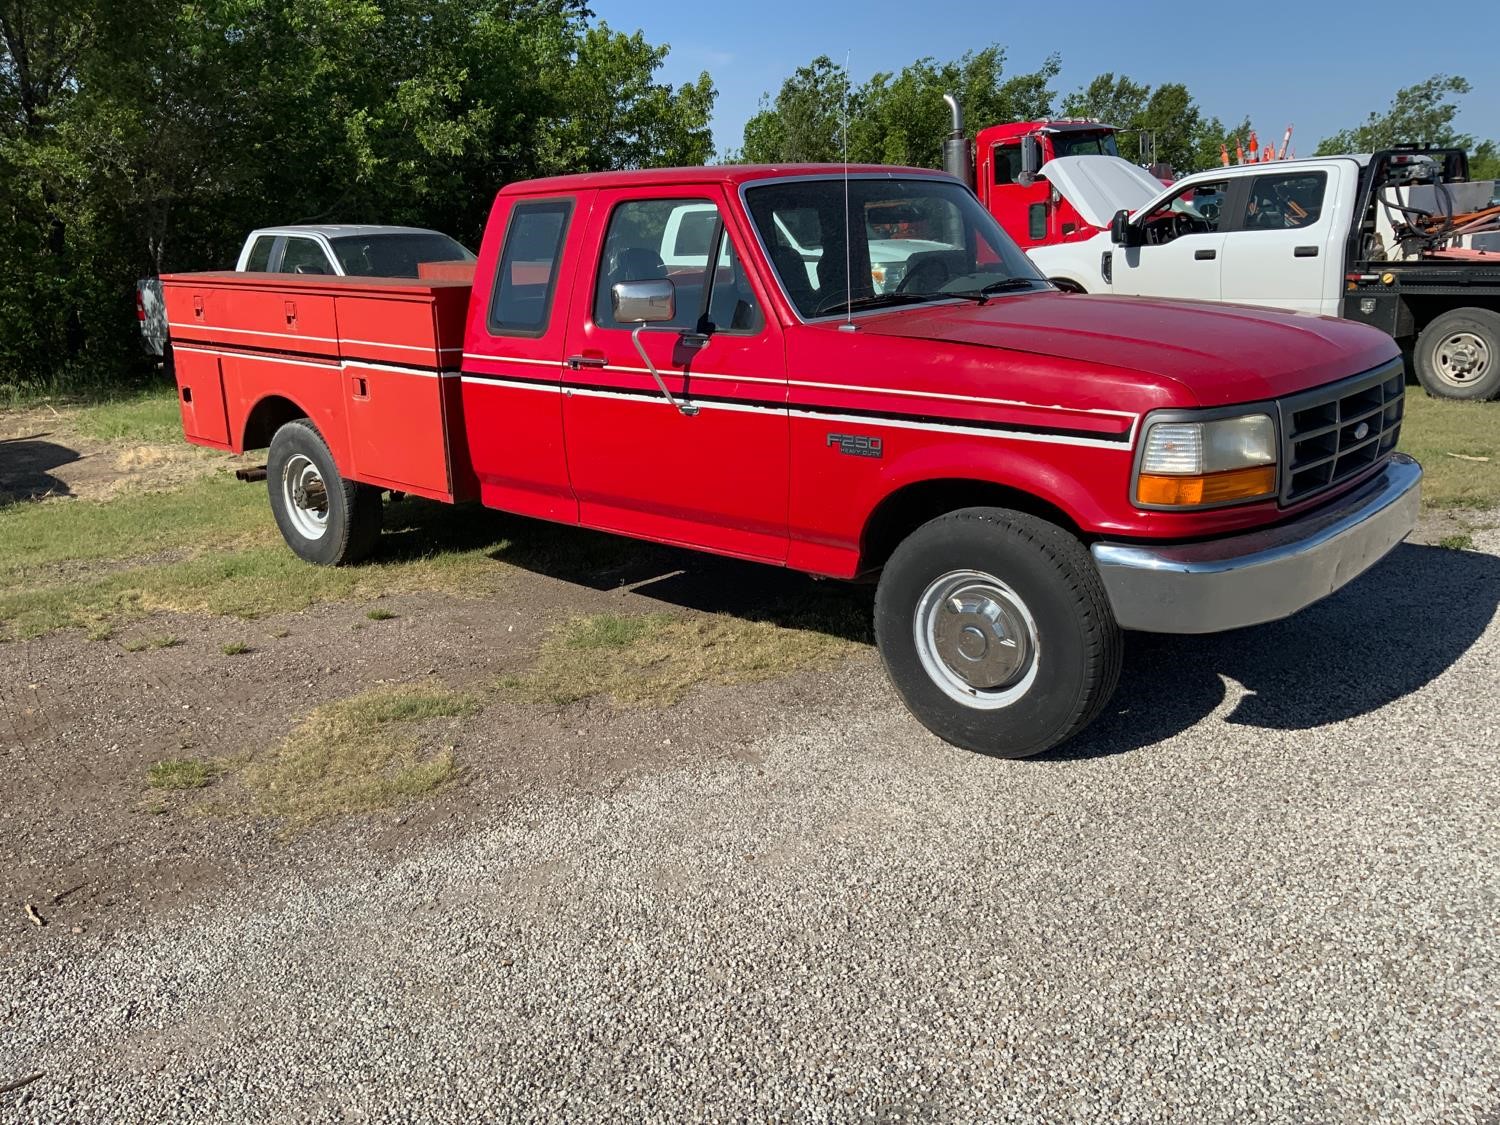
{"type": "Point", "coordinates": [995, 629]}
{"type": "Point", "coordinates": [324, 518]}
{"type": "Point", "coordinates": [1458, 355]}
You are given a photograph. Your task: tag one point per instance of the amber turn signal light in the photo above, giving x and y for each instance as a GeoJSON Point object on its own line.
{"type": "Point", "coordinates": [1206, 488]}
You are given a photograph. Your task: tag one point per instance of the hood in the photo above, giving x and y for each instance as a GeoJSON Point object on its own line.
{"type": "Point", "coordinates": [1220, 354]}
{"type": "Point", "coordinates": [1098, 186]}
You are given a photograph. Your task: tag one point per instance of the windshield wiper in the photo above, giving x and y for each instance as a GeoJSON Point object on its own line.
{"type": "Point", "coordinates": [875, 301]}
{"type": "Point", "coordinates": [1004, 285]}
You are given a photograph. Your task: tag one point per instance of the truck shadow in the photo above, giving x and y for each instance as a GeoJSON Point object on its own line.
{"type": "Point", "coordinates": [26, 465]}
{"type": "Point", "coordinates": [1386, 635]}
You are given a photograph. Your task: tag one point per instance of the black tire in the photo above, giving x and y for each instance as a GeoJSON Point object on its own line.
{"type": "Point", "coordinates": [1075, 644]}
{"type": "Point", "coordinates": [1458, 355]}
{"type": "Point", "coordinates": [347, 512]}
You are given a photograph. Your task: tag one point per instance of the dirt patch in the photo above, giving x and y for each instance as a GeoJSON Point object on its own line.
{"type": "Point", "coordinates": [84, 723]}
{"type": "Point", "coordinates": [44, 456]}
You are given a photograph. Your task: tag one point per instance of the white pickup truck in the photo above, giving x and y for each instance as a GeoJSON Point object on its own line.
{"type": "Point", "coordinates": [335, 250]}
{"type": "Point", "coordinates": [1336, 236]}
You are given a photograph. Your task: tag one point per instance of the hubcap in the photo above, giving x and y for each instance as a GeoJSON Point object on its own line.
{"type": "Point", "coordinates": [1463, 358]}
{"type": "Point", "coordinates": [306, 496]}
{"type": "Point", "coordinates": [976, 639]}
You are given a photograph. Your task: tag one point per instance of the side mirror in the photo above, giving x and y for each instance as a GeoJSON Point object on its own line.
{"type": "Point", "coordinates": [644, 302]}
{"type": "Point", "coordinates": [1031, 159]}
{"type": "Point", "coordinates": [1122, 233]}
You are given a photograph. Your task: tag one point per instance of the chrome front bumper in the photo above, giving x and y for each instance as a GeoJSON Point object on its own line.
{"type": "Point", "coordinates": [1262, 575]}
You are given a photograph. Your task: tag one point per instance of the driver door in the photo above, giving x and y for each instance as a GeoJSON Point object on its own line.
{"type": "Point", "coordinates": [713, 474]}
{"type": "Point", "coordinates": [1184, 251]}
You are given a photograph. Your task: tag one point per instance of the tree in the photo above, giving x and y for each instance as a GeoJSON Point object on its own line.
{"type": "Point", "coordinates": [903, 120]}
{"type": "Point", "coordinates": [1162, 125]}
{"type": "Point", "coordinates": [805, 121]}
{"type": "Point", "coordinates": [1484, 161]}
{"type": "Point", "coordinates": [1421, 114]}
{"type": "Point", "coordinates": [893, 118]}
{"type": "Point", "coordinates": [151, 136]}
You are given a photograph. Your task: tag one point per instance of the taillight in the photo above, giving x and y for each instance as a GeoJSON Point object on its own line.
{"type": "Point", "coordinates": [140, 307]}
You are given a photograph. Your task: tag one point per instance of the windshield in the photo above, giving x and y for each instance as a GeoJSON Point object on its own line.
{"type": "Point", "coordinates": [1084, 144]}
{"type": "Point", "coordinates": [397, 254]}
{"type": "Point", "coordinates": [914, 240]}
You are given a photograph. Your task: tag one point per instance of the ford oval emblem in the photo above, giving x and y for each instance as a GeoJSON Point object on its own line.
{"type": "Point", "coordinates": [1361, 431]}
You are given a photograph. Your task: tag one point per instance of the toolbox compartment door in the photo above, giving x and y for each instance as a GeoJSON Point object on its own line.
{"type": "Point", "coordinates": [200, 396]}
{"type": "Point", "coordinates": [394, 389]}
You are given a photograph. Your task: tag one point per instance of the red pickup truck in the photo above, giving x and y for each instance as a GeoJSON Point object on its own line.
{"type": "Point", "coordinates": [703, 357]}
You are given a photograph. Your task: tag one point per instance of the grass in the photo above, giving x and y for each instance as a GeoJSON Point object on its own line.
{"type": "Point", "coordinates": [141, 644]}
{"type": "Point", "coordinates": [358, 755]}
{"type": "Point", "coordinates": [655, 658]}
{"type": "Point", "coordinates": [215, 511]}
{"type": "Point", "coordinates": [1459, 541]}
{"type": "Point", "coordinates": [380, 615]}
{"type": "Point", "coordinates": [1458, 444]}
{"type": "Point", "coordinates": [87, 381]}
{"type": "Point", "coordinates": [182, 773]}
{"type": "Point", "coordinates": [238, 566]}
{"type": "Point", "coordinates": [147, 416]}
{"type": "Point", "coordinates": [236, 648]}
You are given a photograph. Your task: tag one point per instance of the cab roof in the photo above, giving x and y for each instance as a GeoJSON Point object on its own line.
{"type": "Point", "coordinates": [732, 175]}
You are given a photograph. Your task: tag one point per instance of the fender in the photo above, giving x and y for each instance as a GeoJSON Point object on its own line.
{"type": "Point", "coordinates": [319, 400]}
{"type": "Point", "coordinates": [1078, 262]}
{"type": "Point", "coordinates": [1050, 474]}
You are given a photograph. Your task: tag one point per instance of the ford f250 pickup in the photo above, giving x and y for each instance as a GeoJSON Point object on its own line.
{"type": "Point", "coordinates": [1027, 472]}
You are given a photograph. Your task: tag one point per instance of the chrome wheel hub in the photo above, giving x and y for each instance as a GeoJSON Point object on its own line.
{"type": "Point", "coordinates": [976, 639]}
{"type": "Point", "coordinates": [1463, 358]}
{"type": "Point", "coordinates": [306, 496]}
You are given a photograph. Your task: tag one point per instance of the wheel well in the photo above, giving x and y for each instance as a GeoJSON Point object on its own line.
{"type": "Point", "coordinates": [907, 509]}
{"type": "Point", "coordinates": [1424, 310]}
{"type": "Point", "coordinates": [1067, 285]}
{"type": "Point", "coordinates": [269, 415]}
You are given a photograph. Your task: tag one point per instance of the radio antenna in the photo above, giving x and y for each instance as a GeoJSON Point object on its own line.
{"type": "Point", "coordinates": [848, 234]}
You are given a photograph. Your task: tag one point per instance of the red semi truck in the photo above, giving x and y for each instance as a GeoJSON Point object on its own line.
{"type": "Point", "coordinates": [1028, 473]}
{"type": "Point", "coordinates": [1005, 163]}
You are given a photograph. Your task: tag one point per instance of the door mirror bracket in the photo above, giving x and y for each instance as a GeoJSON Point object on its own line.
{"type": "Point", "coordinates": [646, 303]}
{"type": "Point", "coordinates": [1124, 233]}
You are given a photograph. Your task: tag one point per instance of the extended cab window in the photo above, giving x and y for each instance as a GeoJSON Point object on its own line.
{"type": "Point", "coordinates": [303, 255]}
{"type": "Point", "coordinates": [1191, 210]}
{"type": "Point", "coordinates": [1285, 201]}
{"type": "Point", "coordinates": [527, 277]}
{"type": "Point", "coordinates": [676, 239]}
{"type": "Point", "coordinates": [260, 254]}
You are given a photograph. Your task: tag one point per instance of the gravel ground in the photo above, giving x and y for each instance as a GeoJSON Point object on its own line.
{"type": "Point", "coordinates": [1263, 888]}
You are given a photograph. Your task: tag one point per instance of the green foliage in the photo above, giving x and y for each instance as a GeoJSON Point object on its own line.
{"type": "Point", "coordinates": [1164, 125]}
{"type": "Point", "coordinates": [1484, 161]}
{"type": "Point", "coordinates": [1422, 113]}
{"type": "Point", "coordinates": [147, 137]}
{"type": "Point", "coordinates": [893, 118]}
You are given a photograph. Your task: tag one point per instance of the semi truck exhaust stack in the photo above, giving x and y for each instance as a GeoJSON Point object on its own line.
{"type": "Point", "coordinates": [958, 160]}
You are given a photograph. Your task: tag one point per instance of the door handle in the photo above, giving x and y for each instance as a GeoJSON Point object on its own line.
{"type": "Point", "coordinates": [577, 362]}
{"type": "Point", "coordinates": [1305, 252]}
{"type": "Point", "coordinates": [1205, 255]}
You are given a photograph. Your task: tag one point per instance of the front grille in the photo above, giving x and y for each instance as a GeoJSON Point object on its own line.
{"type": "Point", "coordinates": [1333, 433]}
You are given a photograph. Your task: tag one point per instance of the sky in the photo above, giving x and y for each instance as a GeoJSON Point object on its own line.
{"type": "Point", "coordinates": [1319, 66]}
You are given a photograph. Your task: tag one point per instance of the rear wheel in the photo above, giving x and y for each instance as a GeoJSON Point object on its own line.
{"type": "Point", "coordinates": [996, 631]}
{"type": "Point", "coordinates": [1458, 355]}
{"type": "Point", "coordinates": [324, 518]}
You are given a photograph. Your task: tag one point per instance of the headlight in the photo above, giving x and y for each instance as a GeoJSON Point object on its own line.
{"type": "Point", "coordinates": [1197, 464]}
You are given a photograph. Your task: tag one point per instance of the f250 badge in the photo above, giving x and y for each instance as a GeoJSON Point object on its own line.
{"type": "Point", "coordinates": [858, 445]}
